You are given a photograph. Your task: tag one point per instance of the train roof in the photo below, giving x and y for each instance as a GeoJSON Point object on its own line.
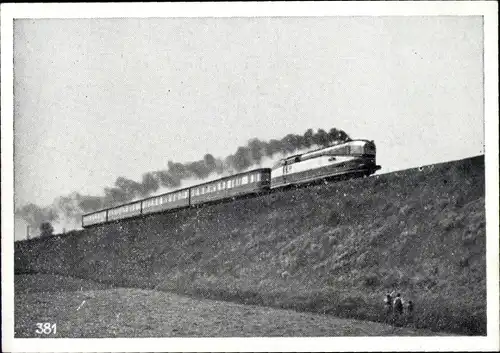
{"type": "Point", "coordinates": [322, 148]}
{"type": "Point", "coordinates": [175, 191]}
{"type": "Point", "coordinates": [292, 157]}
{"type": "Point", "coordinates": [232, 176]}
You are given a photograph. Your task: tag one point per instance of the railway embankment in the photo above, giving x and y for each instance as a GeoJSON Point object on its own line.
{"type": "Point", "coordinates": [335, 248]}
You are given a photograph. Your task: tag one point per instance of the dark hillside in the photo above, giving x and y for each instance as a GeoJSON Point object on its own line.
{"type": "Point", "coordinates": [335, 248]}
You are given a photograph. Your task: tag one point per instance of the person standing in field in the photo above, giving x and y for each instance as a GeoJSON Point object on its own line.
{"type": "Point", "coordinates": [388, 303]}
{"type": "Point", "coordinates": [409, 307]}
{"type": "Point", "coordinates": [398, 305]}
{"type": "Point", "coordinates": [388, 307]}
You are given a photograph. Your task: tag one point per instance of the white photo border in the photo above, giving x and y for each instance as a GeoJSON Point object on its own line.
{"type": "Point", "coordinates": [487, 9]}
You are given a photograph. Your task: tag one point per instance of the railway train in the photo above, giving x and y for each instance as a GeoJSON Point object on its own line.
{"type": "Point", "coordinates": [355, 158]}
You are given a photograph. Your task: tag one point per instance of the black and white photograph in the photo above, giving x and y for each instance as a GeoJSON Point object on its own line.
{"type": "Point", "coordinates": [273, 176]}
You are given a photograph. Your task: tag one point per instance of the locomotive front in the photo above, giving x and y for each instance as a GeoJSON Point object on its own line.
{"type": "Point", "coordinates": [365, 155]}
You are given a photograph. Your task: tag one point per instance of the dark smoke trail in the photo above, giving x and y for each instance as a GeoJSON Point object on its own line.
{"type": "Point", "coordinates": [71, 207]}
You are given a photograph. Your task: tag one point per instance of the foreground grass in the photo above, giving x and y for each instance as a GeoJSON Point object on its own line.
{"type": "Point", "coordinates": [125, 312]}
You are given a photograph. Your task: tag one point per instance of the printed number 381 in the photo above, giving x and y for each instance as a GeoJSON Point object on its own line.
{"type": "Point", "coordinates": [46, 328]}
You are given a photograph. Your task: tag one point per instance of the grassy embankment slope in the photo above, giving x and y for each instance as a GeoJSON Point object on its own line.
{"type": "Point", "coordinates": [335, 248]}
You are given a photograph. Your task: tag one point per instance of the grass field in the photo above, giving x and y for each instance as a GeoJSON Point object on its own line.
{"type": "Point", "coordinates": [336, 248]}
{"type": "Point", "coordinates": [127, 312]}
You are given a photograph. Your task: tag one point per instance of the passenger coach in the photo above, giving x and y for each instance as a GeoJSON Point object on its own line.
{"type": "Point", "coordinates": [251, 182]}
{"type": "Point", "coordinates": [247, 183]}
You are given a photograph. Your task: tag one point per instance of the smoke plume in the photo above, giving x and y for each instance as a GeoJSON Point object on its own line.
{"type": "Point", "coordinates": [65, 211]}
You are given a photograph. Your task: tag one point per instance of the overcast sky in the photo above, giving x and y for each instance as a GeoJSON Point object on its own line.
{"type": "Point", "coordinates": [100, 98]}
